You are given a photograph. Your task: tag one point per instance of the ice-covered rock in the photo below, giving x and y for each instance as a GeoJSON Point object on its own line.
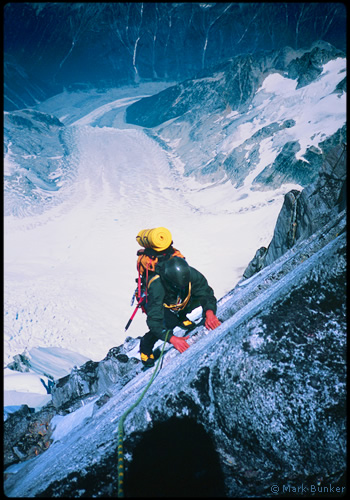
{"type": "Point", "coordinates": [95, 378]}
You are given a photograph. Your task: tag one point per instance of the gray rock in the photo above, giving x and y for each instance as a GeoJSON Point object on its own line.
{"type": "Point", "coordinates": [27, 434]}
{"type": "Point", "coordinates": [20, 363]}
{"type": "Point", "coordinates": [308, 67]}
{"type": "Point", "coordinates": [95, 378]}
{"type": "Point", "coordinates": [303, 213]}
{"type": "Point", "coordinates": [199, 111]}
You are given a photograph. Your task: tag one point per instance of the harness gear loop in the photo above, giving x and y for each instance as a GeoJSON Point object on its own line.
{"type": "Point", "coordinates": [122, 419]}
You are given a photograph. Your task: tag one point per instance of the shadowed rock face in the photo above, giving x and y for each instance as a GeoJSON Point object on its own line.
{"type": "Point", "coordinates": [175, 458]}
{"type": "Point", "coordinates": [117, 43]}
{"type": "Point", "coordinates": [264, 394]}
{"type": "Point", "coordinates": [115, 370]}
{"type": "Point", "coordinates": [286, 410]}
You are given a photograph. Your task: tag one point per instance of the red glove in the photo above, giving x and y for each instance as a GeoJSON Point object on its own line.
{"type": "Point", "coordinates": [179, 343]}
{"type": "Point", "coordinates": [211, 321]}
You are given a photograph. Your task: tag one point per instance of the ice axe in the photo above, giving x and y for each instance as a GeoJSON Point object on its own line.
{"type": "Point", "coordinates": [139, 304]}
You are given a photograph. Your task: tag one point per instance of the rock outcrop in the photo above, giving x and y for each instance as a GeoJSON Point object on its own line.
{"type": "Point", "coordinates": [303, 213]}
{"type": "Point", "coordinates": [28, 433]}
{"type": "Point", "coordinates": [230, 85]}
{"type": "Point", "coordinates": [96, 378]}
{"type": "Point", "coordinates": [203, 120]}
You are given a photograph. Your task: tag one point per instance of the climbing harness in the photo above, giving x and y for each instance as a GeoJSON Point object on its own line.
{"type": "Point", "coordinates": [123, 417]}
{"type": "Point", "coordinates": [180, 305]}
{"type": "Point", "coordinates": [173, 307]}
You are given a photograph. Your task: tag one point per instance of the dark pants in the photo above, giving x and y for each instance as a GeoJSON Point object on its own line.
{"type": "Point", "coordinates": [171, 320]}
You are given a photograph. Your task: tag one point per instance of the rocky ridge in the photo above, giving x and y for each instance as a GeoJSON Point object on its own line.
{"type": "Point", "coordinates": [305, 212]}
{"type": "Point", "coordinates": [195, 117]}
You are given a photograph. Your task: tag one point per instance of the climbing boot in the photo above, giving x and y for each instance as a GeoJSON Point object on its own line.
{"type": "Point", "coordinates": [147, 361]}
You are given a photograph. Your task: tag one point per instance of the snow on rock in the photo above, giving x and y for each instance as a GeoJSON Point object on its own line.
{"type": "Point", "coordinates": [32, 375]}
{"type": "Point", "coordinates": [63, 425]}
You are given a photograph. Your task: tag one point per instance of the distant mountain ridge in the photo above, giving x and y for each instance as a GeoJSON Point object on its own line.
{"type": "Point", "coordinates": [81, 45]}
{"type": "Point", "coordinates": [232, 84]}
{"type": "Point", "coordinates": [203, 120]}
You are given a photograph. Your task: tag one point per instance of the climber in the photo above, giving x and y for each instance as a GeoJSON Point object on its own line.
{"type": "Point", "coordinates": [174, 290]}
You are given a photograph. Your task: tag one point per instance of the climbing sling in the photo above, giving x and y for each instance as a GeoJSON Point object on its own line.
{"type": "Point", "coordinates": [180, 304]}
{"type": "Point", "coordinates": [122, 419]}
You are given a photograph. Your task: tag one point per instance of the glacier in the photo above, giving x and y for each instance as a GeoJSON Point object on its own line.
{"type": "Point", "coordinates": [70, 269]}
{"type": "Point", "coordinates": [80, 182]}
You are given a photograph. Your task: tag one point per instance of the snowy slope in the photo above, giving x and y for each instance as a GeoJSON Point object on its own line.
{"type": "Point", "coordinates": [70, 271]}
{"type": "Point", "coordinates": [277, 137]}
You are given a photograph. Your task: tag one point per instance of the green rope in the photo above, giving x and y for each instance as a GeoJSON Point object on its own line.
{"type": "Point", "coordinates": [121, 425]}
